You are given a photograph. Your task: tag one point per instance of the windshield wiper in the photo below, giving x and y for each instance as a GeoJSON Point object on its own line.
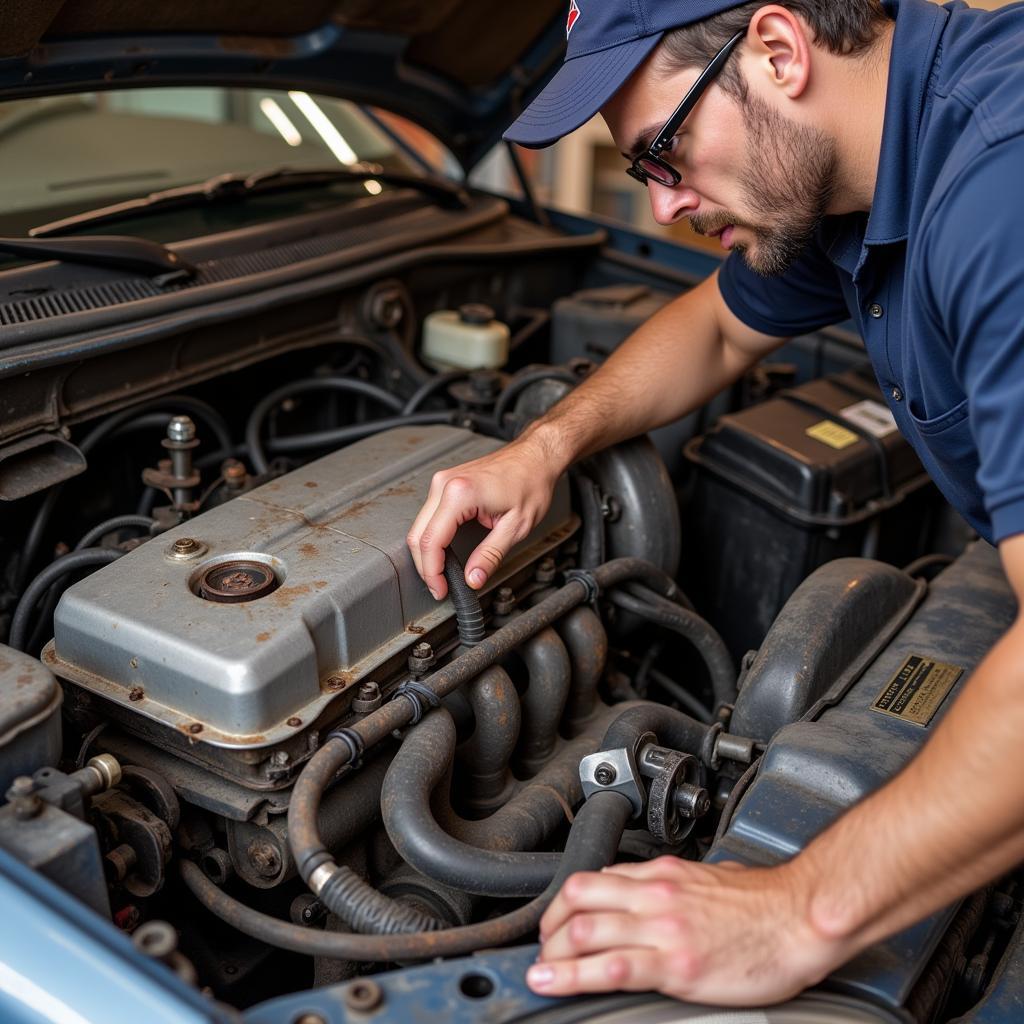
{"type": "Point", "coordinates": [233, 187]}
{"type": "Point", "coordinates": [120, 252]}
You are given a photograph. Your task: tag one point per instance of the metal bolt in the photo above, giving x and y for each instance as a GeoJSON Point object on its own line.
{"type": "Point", "coordinates": [24, 799]}
{"type": "Point", "coordinates": [422, 650]}
{"type": "Point", "coordinates": [335, 683]}
{"type": "Point", "coordinates": [185, 546]}
{"type": "Point", "coordinates": [195, 728]}
{"type": "Point", "coordinates": [364, 995]}
{"type": "Point", "coordinates": [294, 722]}
{"type": "Point", "coordinates": [233, 471]}
{"type": "Point", "coordinates": [280, 759]}
{"type": "Point", "coordinates": [546, 570]}
{"type": "Point", "coordinates": [367, 698]}
{"type": "Point", "coordinates": [605, 774]}
{"type": "Point", "coordinates": [485, 383]}
{"type": "Point", "coordinates": [156, 938]}
{"type": "Point", "coordinates": [610, 508]}
{"type": "Point", "coordinates": [181, 428]}
{"type": "Point", "coordinates": [504, 601]}
{"type": "Point", "coordinates": [119, 862]}
{"type": "Point", "coordinates": [692, 801]}
{"type": "Point", "coordinates": [264, 857]}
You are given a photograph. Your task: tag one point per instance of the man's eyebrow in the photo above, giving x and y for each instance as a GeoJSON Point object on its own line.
{"type": "Point", "coordinates": [642, 141]}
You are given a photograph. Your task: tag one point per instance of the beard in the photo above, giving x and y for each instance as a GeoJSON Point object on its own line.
{"type": "Point", "coordinates": [789, 178]}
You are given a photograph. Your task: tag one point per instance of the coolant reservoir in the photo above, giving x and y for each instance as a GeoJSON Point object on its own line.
{"type": "Point", "coordinates": [467, 339]}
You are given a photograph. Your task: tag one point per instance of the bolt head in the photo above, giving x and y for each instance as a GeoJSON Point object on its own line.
{"type": "Point", "coordinates": [280, 758]}
{"type": "Point", "coordinates": [422, 650]}
{"type": "Point", "coordinates": [185, 545]}
{"type": "Point", "coordinates": [195, 728]}
{"type": "Point", "coordinates": [181, 428]}
{"type": "Point", "coordinates": [363, 995]}
{"type": "Point", "coordinates": [605, 774]}
{"type": "Point", "coordinates": [22, 786]}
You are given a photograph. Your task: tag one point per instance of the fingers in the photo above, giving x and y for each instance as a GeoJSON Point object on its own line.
{"type": "Point", "coordinates": [484, 561]}
{"type": "Point", "coordinates": [584, 934]}
{"type": "Point", "coordinates": [630, 970]}
{"type": "Point", "coordinates": [591, 891]}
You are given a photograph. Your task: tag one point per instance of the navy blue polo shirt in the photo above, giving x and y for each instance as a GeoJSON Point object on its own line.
{"type": "Point", "coordinates": [934, 275]}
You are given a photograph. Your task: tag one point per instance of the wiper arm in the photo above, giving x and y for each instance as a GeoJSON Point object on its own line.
{"type": "Point", "coordinates": [120, 252]}
{"type": "Point", "coordinates": [233, 187]}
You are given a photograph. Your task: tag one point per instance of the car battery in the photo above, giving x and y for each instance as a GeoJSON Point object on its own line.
{"type": "Point", "coordinates": [816, 473]}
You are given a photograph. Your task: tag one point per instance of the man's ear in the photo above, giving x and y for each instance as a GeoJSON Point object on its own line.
{"type": "Point", "coordinates": [778, 40]}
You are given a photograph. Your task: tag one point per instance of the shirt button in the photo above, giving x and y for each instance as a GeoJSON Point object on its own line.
{"type": "Point", "coordinates": [876, 311]}
{"type": "Point", "coordinates": [897, 395]}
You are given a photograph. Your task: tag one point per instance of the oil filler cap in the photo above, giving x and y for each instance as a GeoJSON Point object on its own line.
{"type": "Point", "coordinates": [237, 581]}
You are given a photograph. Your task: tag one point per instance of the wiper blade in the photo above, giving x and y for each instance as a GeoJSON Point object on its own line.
{"type": "Point", "coordinates": [120, 252]}
{"type": "Point", "coordinates": [234, 187]}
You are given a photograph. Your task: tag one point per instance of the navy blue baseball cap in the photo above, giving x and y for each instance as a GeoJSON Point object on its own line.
{"type": "Point", "coordinates": [607, 40]}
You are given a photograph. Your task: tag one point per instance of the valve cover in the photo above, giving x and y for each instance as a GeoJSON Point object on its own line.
{"type": "Point", "coordinates": [230, 638]}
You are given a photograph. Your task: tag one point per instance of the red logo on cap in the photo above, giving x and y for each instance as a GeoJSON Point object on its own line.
{"type": "Point", "coordinates": [574, 16]}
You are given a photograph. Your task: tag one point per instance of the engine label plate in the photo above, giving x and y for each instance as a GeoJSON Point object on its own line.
{"type": "Point", "coordinates": [831, 433]}
{"type": "Point", "coordinates": [916, 691]}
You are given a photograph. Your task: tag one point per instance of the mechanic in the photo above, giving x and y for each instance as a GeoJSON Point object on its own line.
{"type": "Point", "coordinates": [857, 158]}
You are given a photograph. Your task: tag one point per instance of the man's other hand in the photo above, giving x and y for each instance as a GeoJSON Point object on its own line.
{"type": "Point", "coordinates": [719, 934]}
{"type": "Point", "coordinates": [508, 491]}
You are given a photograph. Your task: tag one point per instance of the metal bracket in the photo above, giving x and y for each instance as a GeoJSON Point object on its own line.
{"type": "Point", "coordinates": [613, 771]}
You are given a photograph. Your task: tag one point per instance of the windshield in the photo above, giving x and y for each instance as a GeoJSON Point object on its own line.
{"type": "Point", "coordinates": [62, 155]}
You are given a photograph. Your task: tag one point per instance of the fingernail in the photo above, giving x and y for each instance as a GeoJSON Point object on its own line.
{"type": "Point", "coordinates": [477, 578]}
{"type": "Point", "coordinates": [433, 593]}
{"type": "Point", "coordinates": [540, 975]}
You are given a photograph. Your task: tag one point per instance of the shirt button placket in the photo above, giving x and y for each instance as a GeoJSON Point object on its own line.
{"type": "Point", "coordinates": [876, 311]}
{"type": "Point", "coordinates": [897, 395]}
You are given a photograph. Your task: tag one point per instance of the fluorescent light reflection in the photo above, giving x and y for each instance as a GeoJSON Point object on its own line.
{"type": "Point", "coordinates": [280, 120]}
{"type": "Point", "coordinates": [333, 139]}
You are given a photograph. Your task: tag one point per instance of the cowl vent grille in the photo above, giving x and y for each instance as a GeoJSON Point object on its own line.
{"type": "Point", "coordinates": [229, 268]}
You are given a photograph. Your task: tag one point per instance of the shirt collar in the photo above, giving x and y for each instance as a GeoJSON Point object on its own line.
{"type": "Point", "coordinates": [919, 25]}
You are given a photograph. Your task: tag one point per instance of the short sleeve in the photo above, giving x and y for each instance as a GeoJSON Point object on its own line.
{"type": "Point", "coordinates": [973, 276]}
{"type": "Point", "coordinates": [805, 298]}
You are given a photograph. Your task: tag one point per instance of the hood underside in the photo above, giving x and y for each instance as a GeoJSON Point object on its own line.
{"type": "Point", "coordinates": [463, 69]}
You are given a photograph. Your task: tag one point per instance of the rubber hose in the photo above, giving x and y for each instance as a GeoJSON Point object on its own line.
{"type": "Point", "coordinates": [674, 729]}
{"type": "Point", "coordinates": [349, 385]}
{"type": "Point", "coordinates": [592, 547]}
{"type": "Point", "coordinates": [322, 768]}
{"type": "Point", "coordinates": [60, 567]}
{"type": "Point", "coordinates": [468, 613]}
{"type": "Point", "coordinates": [520, 383]}
{"type": "Point", "coordinates": [110, 525]}
{"type": "Point", "coordinates": [432, 386]}
{"type": "Point", "coordinates": [346, 435]}
{"type": "Point", "coordinates": [368, 911]}
{"type": "Point", "coordinates": [593, 843]}
{"type": "Point", "coordinates": [689, 625]}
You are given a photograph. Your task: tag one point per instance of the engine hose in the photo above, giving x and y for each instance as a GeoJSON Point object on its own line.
{"type": "Point", "coordinates": [468, 613]}
{"type": "Point", "coordinates": [549, 674]}
{"type": "Point", "coordinates": [127, 522]}
{"type": "Point", "coordinates": [356, 431]}
{"type": "Point", "coordinates": [321, 769]}
{"type": "Point", "coordinates": [348, 385]}
{"type": "Point", "coordinates": [368, 911]}
{"type": "Point", "coordinates": [87, 558]}
{"type": "Point", "coordinates": [521, 382]}
{"type": "Point", "coordinates": [497, 716]}
{"type": "Point", "coordinates": [431, 387]}
{"type": "Point", "coordinates": [674, 729]}
{"type": "Point", "coordinates": [592, 844]}
{"type": "Point", "coordinates": [592, 547]}
{"type": "Point", "coordinates": [175, 404]}
{"type": "Point", "coordinates": [704, 637]}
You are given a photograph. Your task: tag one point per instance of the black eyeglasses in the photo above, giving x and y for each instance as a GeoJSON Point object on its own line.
{"type": "Point", "coordinates": [649, 163]}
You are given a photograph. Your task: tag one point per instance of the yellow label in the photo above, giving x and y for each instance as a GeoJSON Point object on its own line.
{"type": "Point", "coordinates": [916, 691]}
{"type": "Point", "coordinates": [832, 434]}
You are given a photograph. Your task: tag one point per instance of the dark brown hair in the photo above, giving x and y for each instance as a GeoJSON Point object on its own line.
{"type": "Point", "coordinates": [845, 27]}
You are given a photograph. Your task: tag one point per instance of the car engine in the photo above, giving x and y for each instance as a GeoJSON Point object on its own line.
{"type": "Point", "coordinates": [235, 724]}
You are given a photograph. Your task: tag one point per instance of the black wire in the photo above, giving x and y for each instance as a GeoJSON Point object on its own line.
{"type": "Point", "coordinates": [519, 384]}
{"type": "Point", "coordinates": [110, 525]}
{"type": "Point", "coordinates": [432, 386]}
{"type": "Point", "coordinates": [350, 385]}
{"type": "Point", "coordinates": [56, 570]}
{"type": "Point", "coordinates": [355, 431]}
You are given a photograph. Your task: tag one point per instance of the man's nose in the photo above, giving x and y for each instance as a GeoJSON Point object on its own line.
{"type": "Point", "coordinates": [671, 204]}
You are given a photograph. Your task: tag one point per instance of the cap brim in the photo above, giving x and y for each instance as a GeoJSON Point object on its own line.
{"type": "Point", "coordinates": [580, 88]}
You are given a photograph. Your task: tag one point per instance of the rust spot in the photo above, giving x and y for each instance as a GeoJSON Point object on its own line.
{"type": "Point", "coordinates": [309, 550]}
{"type": "Point", "coordinates": [310, 483]}
{"type": "Point", "coordinates": [262, 638]}
{"type": "Point", "coordinates": [293, 722]}
{"type": "Point", "coordinates": [338, 681]}
{"type": "Point", "coordinates": [284, 596]}
{"type": "Point", "coordinates": [272, 47]}
{"type": "Point", "coordinates": [360, 507]}
{"type": "Point", "coordinates": [415, 629]}
{"type": "Point", "coordinates": [195, 728]}
{"type": "Point", "coordinates": [136, 693]}
{"type": "Point", "coordinates": [320, 584]}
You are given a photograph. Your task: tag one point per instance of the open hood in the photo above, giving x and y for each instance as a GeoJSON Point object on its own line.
{"type": "Point", "coordinates": [463, 69]}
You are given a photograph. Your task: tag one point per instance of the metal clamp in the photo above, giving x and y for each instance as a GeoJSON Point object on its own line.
{"type": "Point", "coordinates": [355, 745]}
{"type": "Point", "coordinates": [613, 771]}
{"type": "Point", "coordinates": [590, 585]}
{"type": "Point", "coordinates": [419, 696]}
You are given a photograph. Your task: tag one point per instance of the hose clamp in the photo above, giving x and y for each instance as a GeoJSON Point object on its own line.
{"type": "Point", "coordinates": [419, 696]}
{"type": "Point", "coordinates": [613, 771]}
{"type": "Point", "coordinates": [592, 589]}
{"type": "Point", "coordinates": [320, 876]}
{"type": "Point", "coordinates": [355, 745]}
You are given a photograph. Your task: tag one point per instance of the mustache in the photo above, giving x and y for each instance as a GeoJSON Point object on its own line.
{"type": "Point", "coordinates": [713, 223]}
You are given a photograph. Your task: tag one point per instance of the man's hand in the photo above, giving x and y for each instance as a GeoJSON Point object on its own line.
{"type": "Point", "coordinates": [508, 491]}
{"type": "Point", "coordinates": [720, 934]}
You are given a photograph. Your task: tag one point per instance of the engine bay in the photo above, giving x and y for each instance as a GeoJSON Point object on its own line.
{"type": "Point", "coordinates": [236, 725]}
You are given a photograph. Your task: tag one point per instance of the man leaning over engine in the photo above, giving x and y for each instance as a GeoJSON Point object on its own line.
{"type": "Point", "coordinates": [856, 158]}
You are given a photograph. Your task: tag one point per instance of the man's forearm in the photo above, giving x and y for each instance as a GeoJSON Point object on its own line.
{"type": "Point", "coordinates": [950, 822]}
{"type": "Point", "coordinates": [671, 365]}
